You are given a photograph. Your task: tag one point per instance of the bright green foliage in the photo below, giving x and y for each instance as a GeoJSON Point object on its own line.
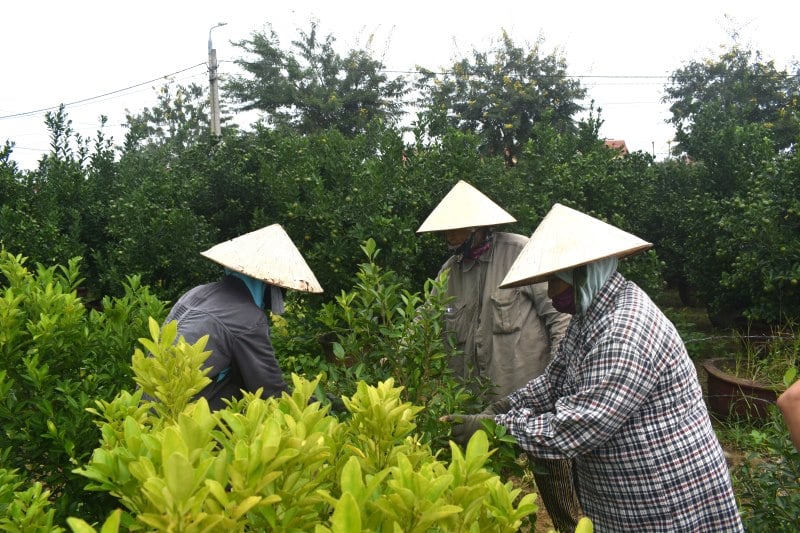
{"type": "Point", "coordinates": [382, 331]}
{"type": "Point", "coordinates": [111, 525]}
{"type": "Point", "coordinates": [166, 371]}
{"type": "Point", "coordinates": [24, 510]}
{"type": "Point", "coordinates": [379, 331]}
{"type": "Point", "coordinates": [256, 463]}
{"type": "Point", "coordinates": [380, 419]}
{"type": "Point", "coordinates": [431, 496]}
{"type": "Point", "coordinates": [286, 464]}
{"type": "Point", "coordinates": [55, 359]}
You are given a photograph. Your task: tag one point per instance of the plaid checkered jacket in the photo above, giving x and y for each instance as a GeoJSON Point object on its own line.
{"type": "Point", "coordinates": [621, 397]}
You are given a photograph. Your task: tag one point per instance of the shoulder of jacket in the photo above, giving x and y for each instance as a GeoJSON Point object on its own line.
{"type": "Point", "coordinates": [511, 239]}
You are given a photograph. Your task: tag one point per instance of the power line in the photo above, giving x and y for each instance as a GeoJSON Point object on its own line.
{"type": "Point", "coordinates": [387, 71]}
{"type": "Point", "coordinates": [561, 75]}
{"type": "Point", "coordinates": [97, 97]}
{"type": "Point", "coordinates": [83, 100]}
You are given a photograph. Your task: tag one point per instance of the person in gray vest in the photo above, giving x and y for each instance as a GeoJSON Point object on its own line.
{"type": "Point", "coordinates": [502, 337]}
{"type": "Point", "coordinates": [259, 266]}
{"type": "Point", "coordinates": [621, 397]}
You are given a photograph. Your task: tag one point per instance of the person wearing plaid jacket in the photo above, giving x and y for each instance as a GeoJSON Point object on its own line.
{"type": "Point", "coordinates": [621, 397]}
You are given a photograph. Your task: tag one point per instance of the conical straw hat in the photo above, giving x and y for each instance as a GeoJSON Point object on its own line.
{"type": "Point", "coordinates": [267, 254]}
{"type": "Point", "coordinates": [567, 238]}
{"type": "Point", "coordinates": [465, 207]}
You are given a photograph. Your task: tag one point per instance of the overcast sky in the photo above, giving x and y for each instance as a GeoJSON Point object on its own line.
{"type": "Point", "coordinates": [104, 57]}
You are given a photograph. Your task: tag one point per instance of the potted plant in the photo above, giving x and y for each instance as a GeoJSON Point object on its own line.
{"type": "Point", "coordinates": [745, 384]}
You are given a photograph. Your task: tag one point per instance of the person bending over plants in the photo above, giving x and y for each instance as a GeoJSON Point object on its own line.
{"type": "Point", "coordinates": [258, 266]}
{"type": "Point", "coordinates": [621, 396]}
{"type": "Point", "coordinates": [503, 337]}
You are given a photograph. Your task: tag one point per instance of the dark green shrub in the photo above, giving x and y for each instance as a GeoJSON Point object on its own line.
{"type": "Point", "coordinates": [767, 481]}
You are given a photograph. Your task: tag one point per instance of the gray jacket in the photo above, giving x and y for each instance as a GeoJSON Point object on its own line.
{"type": "Point", "coordinates": [241, 351]}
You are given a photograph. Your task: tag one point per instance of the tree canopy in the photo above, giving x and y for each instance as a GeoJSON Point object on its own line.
{"type": "Point", "coordinates": [500, 95]}
{"type": "Point", "coordinates": [724, 226]}
{"type": "Point", "coordinates": [310, 87]}
{"type": "Point", "coordinates": [736, 89]}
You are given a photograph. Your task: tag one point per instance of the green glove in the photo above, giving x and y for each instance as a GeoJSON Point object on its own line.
{"type": "Point", "coordinates": [498, 407]}
{"type": "Point", "coordinates": [466, 426]}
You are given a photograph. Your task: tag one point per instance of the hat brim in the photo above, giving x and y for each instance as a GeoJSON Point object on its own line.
{"type": "Point", "coordinates": [465, 207]}
{"type": "Point", "coordinates": [267, 254]}
{"type": "Point", "coordinates": [566, 239]}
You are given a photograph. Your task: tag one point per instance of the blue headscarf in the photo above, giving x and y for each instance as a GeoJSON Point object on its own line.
{"type": "Point", "coordinates": [597, 273]}
{"type": "Point", "coordinates": [255, 286]}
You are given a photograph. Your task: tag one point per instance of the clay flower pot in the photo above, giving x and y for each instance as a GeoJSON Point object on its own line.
{"type": "Point", "coordinates": [732, 396]}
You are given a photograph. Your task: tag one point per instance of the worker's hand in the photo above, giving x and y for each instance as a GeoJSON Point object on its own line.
{"type": "Point", "coordinates": [465, 426]}
{"type": "Point", "coordinates": [499, 407]}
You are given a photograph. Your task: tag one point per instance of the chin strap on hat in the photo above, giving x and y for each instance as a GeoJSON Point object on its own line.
{"type": "Point", "coordinates": [275, 300]}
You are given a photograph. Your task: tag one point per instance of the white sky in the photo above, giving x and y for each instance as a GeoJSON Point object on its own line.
{"type": "Point", "coordinates": [61, 52]}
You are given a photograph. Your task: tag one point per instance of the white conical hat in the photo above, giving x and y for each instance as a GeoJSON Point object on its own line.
{"type": "Point", "coordinates": [465, 207]}
{"type": "Point", "coordinates": [267, 254]}
{"type": "Point", "coordinates": [567, 238]}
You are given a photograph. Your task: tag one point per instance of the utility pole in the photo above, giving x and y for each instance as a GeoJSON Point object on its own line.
{"type": "Point", "coordinates": [213, 79]}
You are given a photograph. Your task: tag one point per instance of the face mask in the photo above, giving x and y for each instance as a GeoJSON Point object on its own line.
{"type": "Point", "coordinates": [565, 302]}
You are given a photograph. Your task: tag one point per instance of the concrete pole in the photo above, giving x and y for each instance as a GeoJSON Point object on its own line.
{"type": "Point", "coordinates": [213, 79]}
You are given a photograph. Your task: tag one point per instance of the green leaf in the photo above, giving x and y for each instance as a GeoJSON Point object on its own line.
{"type": "Point", "coordinates": [346, 517]}
{"type": "Point", "coordinates": [245, 506]}
{"type": "Point", "coordinates": [179, 476]}
{"type": "Point", "coordinates": [351, 479]}
{"type": "Point", "coordinates": [789, 375]}
{"type": "Point", "coordinates": [80, 526]}
{"type": "Point", "coordinates": [338, 351]}
{"type": "Point", "coordinates": [111, 525]}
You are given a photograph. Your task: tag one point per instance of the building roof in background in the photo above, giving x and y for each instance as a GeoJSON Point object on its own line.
{"type": "Point", "coordinates": [617, 144]}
